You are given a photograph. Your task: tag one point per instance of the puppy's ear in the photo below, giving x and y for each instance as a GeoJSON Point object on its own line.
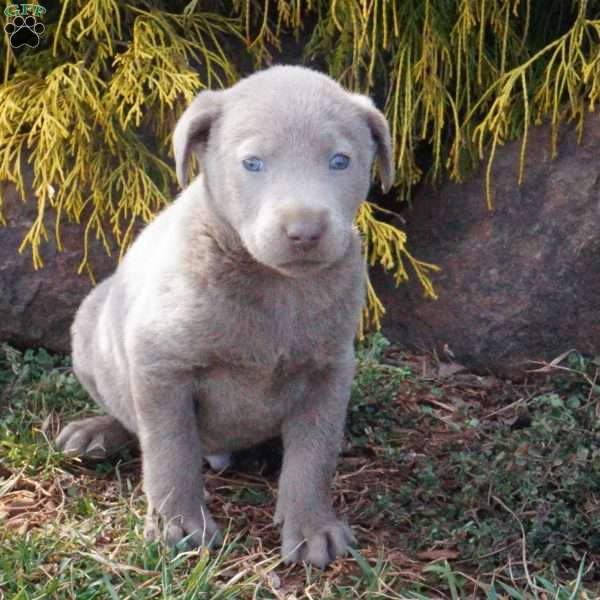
{"type": "Point", "coordinates": [381, 135]}
{"type": "Point", "coordinates": [191, 131]}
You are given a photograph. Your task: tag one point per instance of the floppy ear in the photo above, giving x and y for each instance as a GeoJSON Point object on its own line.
{"type": "Point", "coordinates": [381, 135]}
{"type": "Point", "coordinates": [191, 131]}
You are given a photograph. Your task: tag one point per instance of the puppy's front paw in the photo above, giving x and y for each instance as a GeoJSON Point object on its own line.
{"type": "Point", "coordinates": [316, 545]}
{"type": "Point", "coordinates": [199, 530]}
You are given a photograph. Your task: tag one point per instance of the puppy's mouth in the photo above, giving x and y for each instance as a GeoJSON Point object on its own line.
{"type": "Point", "coordinates": [302, 265]}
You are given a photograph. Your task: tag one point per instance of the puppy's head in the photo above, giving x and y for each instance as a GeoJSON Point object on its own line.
{"type": "Point", "coordinates": [287, 156]}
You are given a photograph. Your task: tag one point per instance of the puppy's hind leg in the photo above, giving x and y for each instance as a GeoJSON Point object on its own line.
{"type": "Point", "coordinates": [94, 437]}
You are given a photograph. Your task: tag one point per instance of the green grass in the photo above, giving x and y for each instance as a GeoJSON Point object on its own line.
{"type": "Point", "coordinates": [457, 487]}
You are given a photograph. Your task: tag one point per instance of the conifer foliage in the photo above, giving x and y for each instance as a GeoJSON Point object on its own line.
{"type": "Point", "coordinates": [91, 103]}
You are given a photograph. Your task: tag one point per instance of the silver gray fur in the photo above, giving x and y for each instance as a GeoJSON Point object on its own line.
{"type": "Point", "coordinates": [231, 318]}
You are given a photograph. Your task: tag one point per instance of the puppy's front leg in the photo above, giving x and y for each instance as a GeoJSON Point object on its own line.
{"type": "Point", "coordinates": [312, 437]}
{"type": "Point", "coordinates": [172, 460]}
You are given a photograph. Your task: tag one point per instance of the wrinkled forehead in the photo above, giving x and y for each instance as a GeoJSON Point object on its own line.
{"type": "Point", "coordinates": [296, 117]}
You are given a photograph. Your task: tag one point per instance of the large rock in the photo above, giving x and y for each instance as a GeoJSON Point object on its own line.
{"type": "Point", "coordinates": [37, 307]}
{"type": "Point", "coordinates": [519, 283]}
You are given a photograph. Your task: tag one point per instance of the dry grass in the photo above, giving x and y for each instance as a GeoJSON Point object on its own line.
{"type": "Point", "coordinates": [73, 530]}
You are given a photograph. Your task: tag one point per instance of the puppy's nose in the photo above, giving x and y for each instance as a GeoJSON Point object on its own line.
{"type": "Point", "coordinates": [305, 235]}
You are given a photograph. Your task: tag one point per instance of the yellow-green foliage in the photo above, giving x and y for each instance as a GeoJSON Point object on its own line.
{"type": "Point", "coordinates": [93, 106]}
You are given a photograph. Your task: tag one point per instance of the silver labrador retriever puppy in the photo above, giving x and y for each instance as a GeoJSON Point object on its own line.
{"type": "Point", "coordinates": [231, 318]}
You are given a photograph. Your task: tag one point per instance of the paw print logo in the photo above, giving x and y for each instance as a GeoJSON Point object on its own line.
{"type": "Point", "coordinates": [24, 31]}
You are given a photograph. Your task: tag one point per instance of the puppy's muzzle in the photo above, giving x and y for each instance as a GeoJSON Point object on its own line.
{"type": "Point", "coordinates": [304, 236]}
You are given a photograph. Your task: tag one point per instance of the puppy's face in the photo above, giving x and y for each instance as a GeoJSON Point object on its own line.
{"type": "Point", "coordinates": [287, 158]}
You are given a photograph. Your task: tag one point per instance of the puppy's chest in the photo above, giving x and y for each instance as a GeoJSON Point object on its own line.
{"type": "Point", "coordinates": [276, 337]}
{"type": "Point", "coordinates": [263, 364]}
{"type": "Point", "coordinates": [269, 354]}
{"type": "Point", "coordinates": [276, 354]}
{"type": "Point", "coordinates": [247, 393]}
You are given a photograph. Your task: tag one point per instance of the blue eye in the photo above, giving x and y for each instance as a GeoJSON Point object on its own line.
{"type": "Point", "coordinates": [253, 164]}
{"type": "Point", "coordinates": [339, 162]}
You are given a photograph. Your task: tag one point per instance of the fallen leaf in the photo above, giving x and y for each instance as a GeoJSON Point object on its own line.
{"type": "Point", "coordinates": [439, 554]}
{"type": "Point", "coordinates": [447, 369]}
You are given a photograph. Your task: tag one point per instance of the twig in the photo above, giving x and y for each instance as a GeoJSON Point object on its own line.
{"type": "Point", "coordinates": [532, 585]}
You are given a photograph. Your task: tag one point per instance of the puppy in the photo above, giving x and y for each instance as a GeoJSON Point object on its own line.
{"type": "Point", "coordinates": [231, 318]}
